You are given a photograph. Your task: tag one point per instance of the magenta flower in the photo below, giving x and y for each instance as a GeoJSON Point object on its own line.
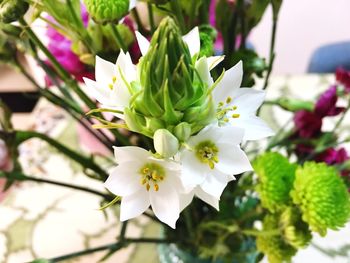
{"type": "Point", "coordinates": [343, 77]}
{"type": "Point", "coordinates": [61, 49]}
{"type": "Point", "coordinates": [6, 163]}
{"type": "Point", "coordinates": [332, 156]}
{"type": "Point", "coordinates": [308, 124]}
{"type": "Point", "coordinates": [326, 104]}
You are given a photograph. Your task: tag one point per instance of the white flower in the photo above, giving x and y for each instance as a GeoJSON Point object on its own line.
{"type": "Point", "coordinates": [142, 180]}
{"type": "Point", "coordinates": [237, 106]}
{"type": "Point", "coordinates": [112, 85]}
{"type": "Point", "coordinates": [211, 158]}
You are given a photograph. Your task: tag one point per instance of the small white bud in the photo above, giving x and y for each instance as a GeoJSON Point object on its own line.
{"type": "Point", "coordinates": [165, 143]}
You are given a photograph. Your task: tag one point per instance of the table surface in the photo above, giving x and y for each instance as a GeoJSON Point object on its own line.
{"type": "Point", "coordinates": [45, 221]}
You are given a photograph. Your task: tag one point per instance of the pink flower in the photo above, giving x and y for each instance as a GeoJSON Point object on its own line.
{"type": "Point", "coordinates": [308, 124]}
{"type": "Point", "coordinates": [326, 104]}
{"type": "Point", "coordinates": [343, 77]}
{"type": "Point", "coordinates": [6, 163]}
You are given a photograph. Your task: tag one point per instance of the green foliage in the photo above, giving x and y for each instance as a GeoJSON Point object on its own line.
{"type": "Point", "coordinates": [274, 246]}
{"type": "Point", "coordinates": [322, 197]}
{"type": "Point", "coordinates": [103, 11]}
{"type": "Point", "coordinates": [276, 176]}
{"type": "Point", "coordinates": [12, 10]}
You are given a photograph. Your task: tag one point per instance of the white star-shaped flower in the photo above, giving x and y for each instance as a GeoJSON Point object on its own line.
{"type": "Point", "coordinates": [237, 106]}
{"type": "Point", "coordinates": [144, 181]}
{"type": "Point", "coordinates": [112, 87]}
{"type": "Point", "coordinates": [211, 158]}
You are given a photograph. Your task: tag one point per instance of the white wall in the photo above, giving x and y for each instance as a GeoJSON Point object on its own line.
{"type": "Point", "coordinates": [303, 26]}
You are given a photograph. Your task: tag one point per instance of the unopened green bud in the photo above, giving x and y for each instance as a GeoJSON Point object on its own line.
{"type": "Point", "coordinates": [12, 10]}
{"type": "Point", "coordinates": [273, 246]}
{"type": "Point", "coordinates": [103, 11]}
{"type": "Point", "coordinates": [165, 143]}
{"type": "Point", "coordinates": [322, 197]}
{"type": "Point", "coordinates": [295, 232]}
{"type": "Point", "coordinates": [170, 88]}
{"type": "Point", "coordinates": [183, 131]}
{"type": "Point", "coordinates": [207, 36]}
{"type": "Point", "coordinates": [276, 177]}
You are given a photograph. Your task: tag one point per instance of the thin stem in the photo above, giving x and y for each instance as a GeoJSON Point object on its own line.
{"type": "Point", "coordinates": [23, 177]}
{"type": "Point", "coordinates": [176, 8]}
{"type": "Point", "coordinates": [64, 75]}
{"type": "Point", "coordinates": [86, 163]}
{"type": "Point", "coordinates": [136, 16]}
{"type": "Point", "coordinates": [151, 17]}
{"type": "Point", "coordinates": [272, 48]}
{"type": "Point", "coordinates": [123, 231]}
{"type": "Point", "coordinates": [256, 233]}
{"type": "Point", "coordinates": [118, 38]}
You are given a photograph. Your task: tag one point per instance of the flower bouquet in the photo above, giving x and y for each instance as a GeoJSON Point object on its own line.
{"type": "Point", "coordinates": [172, 95]}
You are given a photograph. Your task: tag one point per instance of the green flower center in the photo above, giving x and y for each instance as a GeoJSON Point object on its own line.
{"type": "Point", "coordinates": [152, 174]}
{"type": "Point", "coordinates": [225, 111]}
{"type": "Point", "coordinates": [207, 152]}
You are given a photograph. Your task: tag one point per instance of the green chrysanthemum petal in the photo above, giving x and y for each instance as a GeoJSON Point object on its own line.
{"type": "Point", "coordinates": [276, 176]}
{"type": "Point", "coordinates": [103, 11]}
{"type": "Point", "coordinates": [273, 246]}
{"type": "Point", "coordinates": [322, 197]}
{"type": "Point", "coordinates": [295, 231]}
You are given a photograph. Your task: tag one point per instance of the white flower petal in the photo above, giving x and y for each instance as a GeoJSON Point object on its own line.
{"type": "Point", "coordinates": [124, 179]}
{"type": "Point", "coordinates": [254, 127]}
{"type": "Point", "coordinates": [130, 153]}
{"type": "Point", "coordinates": [247, 100]}
{"type": "Point", "coordinates": [143, 43]}
{"type": "Point", "coordinates": [134, 205]}
{"type": "Point", "coordinates": [193, 41]}
{"type": "Point", "coordinates": [100, 93]}
{"type": "Point", "coordinates": [186, 199]}
{"type": "Point", "coordinates": [104, 71]}
{"type": "Point", "coordinates": [215, 184]}
{"type": "Point", "coordinates": [126, 66]}
{"type": "Point", "coordinates": [132, 4]}
{"type": "Point", "coordinates": [166, 203]}
{"type": "Point", "coordinates": [214, 61]}
{"type": "Point", "coordinates": [203, 71]}
{"type": "Point", "coordinates": [193, 171]}
{"type": "Point", "coordinates": [209, 199]}
{"type": "Point", "coordinates": [229, 84]}
{"type": "Point", "coordinates": [232, 160]}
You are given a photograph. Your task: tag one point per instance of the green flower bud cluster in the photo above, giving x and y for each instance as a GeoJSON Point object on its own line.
{"type": "Point", "coordinates": [12, 10]}
{"type": "Point", "coordinates": [276, 177]}
{"type": "Point", "coordinates": [103, 11]}
{"type": "Point", "coordinates": [274, 246]}
{"type": "Point", "coordinates": [170, 94]}
{"type": "Point", "coordinates": [322, 197]}
{"type": "Point", "coordinates": [294, 231]}
{"type": "Point", "coordinates": [207, 36]}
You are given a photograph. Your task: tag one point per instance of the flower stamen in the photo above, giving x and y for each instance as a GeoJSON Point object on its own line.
{"type": "Point", "coordinates": [224, 111]}
{"type": "Point", "coordinates": [206, 152]}
{"type": "Point", "coordinates": [152, 174]}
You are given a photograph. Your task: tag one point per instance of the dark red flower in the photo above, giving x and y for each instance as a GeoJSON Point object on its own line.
{"type": "Point", "coordinates": [326, 104]}
{"type": "Point", "coordinates": [343, 77]}
{"type": "Point", "coordinates": [308, 124]}
{"type": "Point", "coordinates": [332, 156]}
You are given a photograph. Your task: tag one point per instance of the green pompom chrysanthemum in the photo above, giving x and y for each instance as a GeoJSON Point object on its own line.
{"type": "Point", "coordinates": [103, 11]}
{"type": "Point", "coordinates": [322, 197]}
{"type": "Point", "coordinates": [273, 246]}
{"type": "Point", "coordinates": [276, 176]}
{"type": "Point", "coordinates": [295, 231]}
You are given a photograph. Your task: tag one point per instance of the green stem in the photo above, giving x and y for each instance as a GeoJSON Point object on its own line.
{"type": "Point", "coordinates": [118, 37]}
{"type": "Point", "coordinates": [272, 49]}
{"type": "Point", "coordinates": [136, 16]}
{"type": "Point", "coordinates": [114, 247]}
{"type": "Point", "coordinates": [151, 17]}
{"type": "Point", "coordinates": [176, 8]}
{"type": "Point", "coordinates": [64, 75]}
{"type": "Point", "coordinates": [256, 233]}
{"type": "Point", "coordinates": [22, 177]}
{"type": "Point", "coordinates": [86, 163]}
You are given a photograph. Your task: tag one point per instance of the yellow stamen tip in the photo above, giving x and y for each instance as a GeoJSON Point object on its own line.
{"type": "Point", "coordinates": [156, 187]}
{"type": "Point", "coordinates": [110, 86]}
{"type": "Point", "coordinates": [148, 187]}
{"type": "Point", "coordinates": [235, 115]}
{"type": "Point", "coordinates": [228, 100]}
{"type": "Point", "coordinates": [114, 79]}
